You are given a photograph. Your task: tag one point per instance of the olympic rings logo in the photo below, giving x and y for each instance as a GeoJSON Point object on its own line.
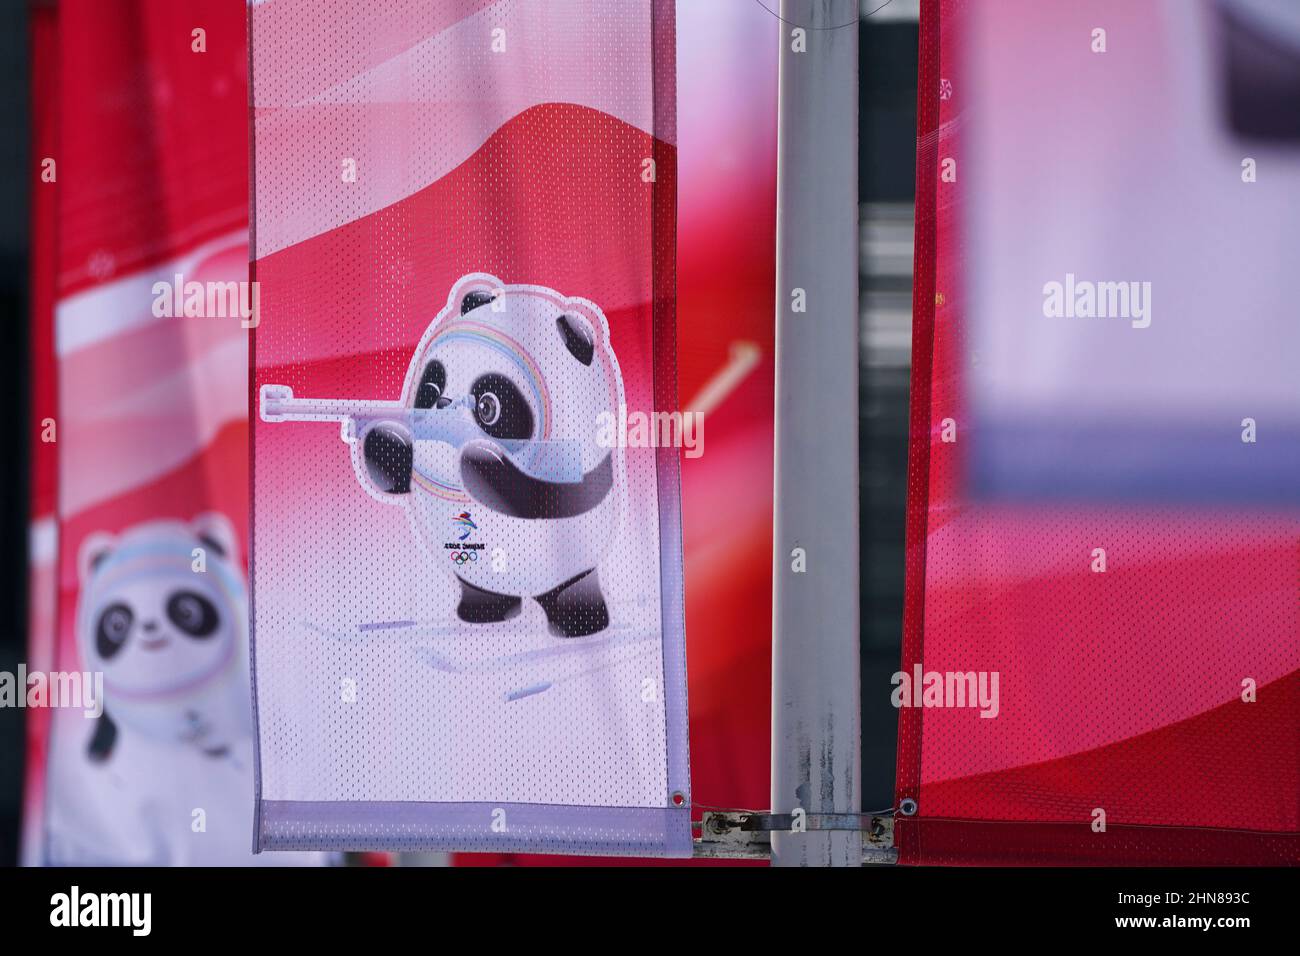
{"type": "Point", "coordinates": [460, 557]}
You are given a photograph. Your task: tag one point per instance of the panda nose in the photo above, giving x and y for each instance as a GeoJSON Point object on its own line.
{"type": "Point", "coordinates": [152, 640]}
{"type": "Point", "coordinates": [442, 402]}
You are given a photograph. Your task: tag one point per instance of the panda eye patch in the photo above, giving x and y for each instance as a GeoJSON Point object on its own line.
{"type": "Point", "coordinates": [432, 383]}
{"type": "Point", "coordinates": [500, 409]}
{"type": "Point", "coordinates": [192, 613]}
{"type": "Point", "coordinates": [112, 630]}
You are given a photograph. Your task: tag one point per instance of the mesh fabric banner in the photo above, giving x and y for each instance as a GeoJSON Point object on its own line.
{"type": "Point", "coordinates": [1102, 636]}
{"type": "Point", "coordinates": [467, 560]}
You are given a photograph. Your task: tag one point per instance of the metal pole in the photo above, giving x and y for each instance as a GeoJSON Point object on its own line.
{"type": "Point", "coordinates": [816, 706]}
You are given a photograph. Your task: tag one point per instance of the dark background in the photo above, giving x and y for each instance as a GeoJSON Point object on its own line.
{"type": "Point", "coordinates": [14, 178]}
{"type": "Point", "coordinates": [886, 188]}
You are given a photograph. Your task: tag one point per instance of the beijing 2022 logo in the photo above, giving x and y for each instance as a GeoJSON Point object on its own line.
{"type": "Point", "coordinates": [464, 525]}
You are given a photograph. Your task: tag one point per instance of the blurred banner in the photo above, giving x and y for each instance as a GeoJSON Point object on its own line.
{"type": "Point", "coordinates": [42, 541]}
{"type": "Point", "coordinates": [469, 621]}
{"type": "Point", "coordinates": [154, 763]}
{"type": "Point", "coordinates": [1102, 638]}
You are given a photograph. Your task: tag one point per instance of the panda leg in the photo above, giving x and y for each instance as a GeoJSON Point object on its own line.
{"type": "Point", "coordinates": [478, 606]}
{"type": "Point", "coordinates": [101, 743]}
{"type": "Point", "coordinates": [576, 608]}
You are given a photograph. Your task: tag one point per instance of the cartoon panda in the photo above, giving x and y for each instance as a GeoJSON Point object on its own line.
{"type": "Point", "coordinates": [171, 641]}
{"type": "Point", "coordinates": [514, 497]}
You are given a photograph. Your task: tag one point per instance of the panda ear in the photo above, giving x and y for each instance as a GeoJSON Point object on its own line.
{"type": "Point", "coordinates": [95, 549]}
{"type": "Point", "coordinates": [471, 291]}
{"type": "Point", "coordinates": [214, 531]}
{"type": "Point", "coordinates": [578, 336]}
{"type": "Point", "coordinates": [472, 300]}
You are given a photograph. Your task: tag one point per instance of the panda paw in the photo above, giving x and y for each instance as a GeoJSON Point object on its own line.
{"type": "Point", "coordinates": [389, 457]}
{"type": "Point", "coordinates": [577, 607]}
{"type": "Point", "coordinates": [101, 744]}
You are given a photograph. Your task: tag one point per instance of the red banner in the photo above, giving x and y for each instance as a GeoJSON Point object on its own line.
{"type": "Point", "coordinates": [1102, 638]}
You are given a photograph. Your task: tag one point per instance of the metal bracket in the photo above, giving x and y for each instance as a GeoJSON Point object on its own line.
{"type": "Point", "coordinates": [746, 834]}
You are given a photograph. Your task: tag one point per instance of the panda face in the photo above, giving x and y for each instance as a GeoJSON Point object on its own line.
{"type": "Point", "coordinates": [470, 377]}
{"type": "Point", "coordinates": [497, 405]}
{"type": "Point", "coordinates": [485, 388]}
{"type": "Point", "coordinates": [153, 634]}
{"type": "Point", "coordinates": [189, 612]}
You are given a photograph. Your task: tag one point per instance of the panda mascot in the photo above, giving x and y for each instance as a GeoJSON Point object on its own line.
{"type": "Point", "coordinates": [493, 449]}
{"type": "Point", "coordinates": [168, 633]}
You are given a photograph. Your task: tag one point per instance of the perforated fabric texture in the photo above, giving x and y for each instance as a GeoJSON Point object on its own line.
{"type": "Point", "coordinates": [467, 612]}
{"type": "Point", "coordinates": [1096, 516]}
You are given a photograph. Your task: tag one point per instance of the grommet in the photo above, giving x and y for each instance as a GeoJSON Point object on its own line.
{"type": "Point", "coordinates": [678, 798]}
{"type": "Point", "coordinates": [907, 807]}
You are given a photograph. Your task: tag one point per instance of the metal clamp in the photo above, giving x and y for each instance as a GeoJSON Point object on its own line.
{"type": "Point", "coordinates": [746, 834]}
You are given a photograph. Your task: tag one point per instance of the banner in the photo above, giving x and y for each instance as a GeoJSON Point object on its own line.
{"type": "Point", "coordinates": [468, 620]}
{"type": "Point", "coordinates": [1102, 639]}
{"type": "Point", "coordinates": [42, 539]}
{"type": "Point", "coordinates": [150, 753]}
